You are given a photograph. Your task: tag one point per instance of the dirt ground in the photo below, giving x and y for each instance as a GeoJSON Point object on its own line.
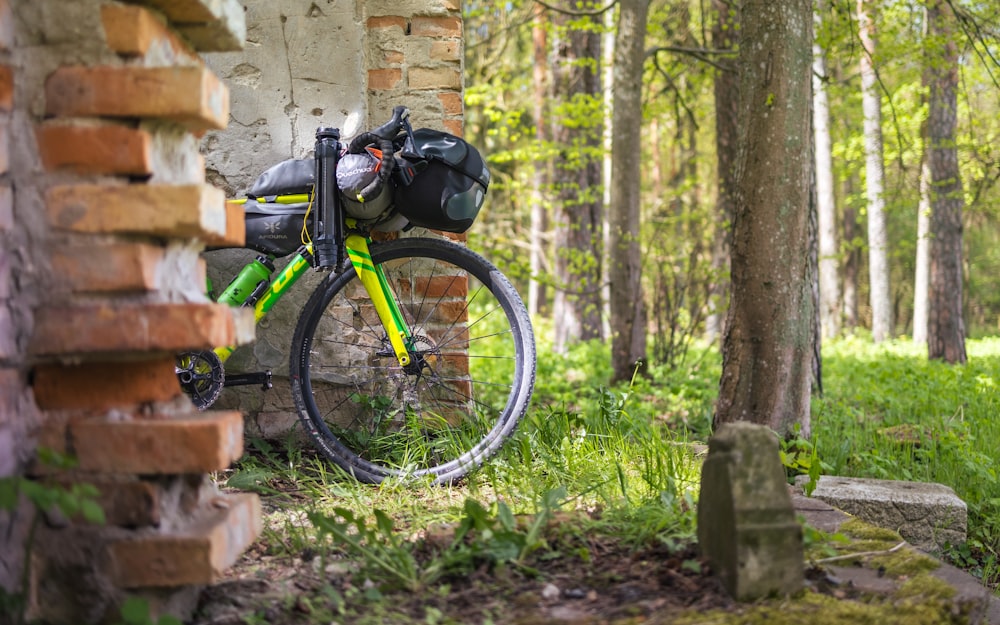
{"type": "Point", "coordinates": [612, 583]}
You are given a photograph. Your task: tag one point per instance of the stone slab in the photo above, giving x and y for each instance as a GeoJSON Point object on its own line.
{"type": "Point", "coordinates": [926, 515]}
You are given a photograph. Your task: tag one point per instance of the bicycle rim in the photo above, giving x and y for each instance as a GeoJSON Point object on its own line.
{"type": "Point", "coordinates": [469, 384]}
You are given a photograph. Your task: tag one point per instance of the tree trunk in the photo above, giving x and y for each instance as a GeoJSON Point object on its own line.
{"type": "Point", "coordinates": [946, 329]}
{"type": "Point", "coordinates": [579, 220]}
{"type": "Point", "coordinates": [628, 307]}
{"type": "Point", "coordinates": [878, 238]}
{"type": "Point", "coordinates": [724, 37]}
{"type": "Point", "coordinates": [921, 279]}
{"type": "Point", "coordinates": [852, 265]}
{"type": "Point", "coordinates": [543, 170]}
{"type": "Point", "coordinates": [767, 349]}
{"type": "Point", "coordinates": [829, 252]}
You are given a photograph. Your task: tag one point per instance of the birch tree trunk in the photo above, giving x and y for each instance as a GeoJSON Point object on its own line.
{"type": "Point", "coordinates": [878, 238]}
{"type": "Point", "coordinates": [543, 170]}
{"type": "Point", "coordinates": [829, 252]}
{"type": "Point", "coordinates": [921, 280]}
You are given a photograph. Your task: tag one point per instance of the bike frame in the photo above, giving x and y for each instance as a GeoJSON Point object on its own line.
{"type": "Point", "coordinates": [370, 274]}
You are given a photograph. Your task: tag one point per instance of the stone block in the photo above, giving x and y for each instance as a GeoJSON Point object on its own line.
{"type": "Point", "coordinates": [199, 443]}
{"type": "Point", "coordinates": [4, 147]}
{"type": "Point", "coordinates": [103, 385]}
{"type": "Point", "coordinates": [117, 328]}
{"type": "Point", "coordinates": [170, 211]}
{"type": "Point", "coordinates": [210, 25]}
{"type": "Point", "coordinates": [105, 149]}
{"type": "Point", "coordinates": [192, 95]}
{"type": "Point", "coordinates": [927, 515]}
{"type": "Point", "coordinates": [113, 268]}
{"type": "Point", "coordinates": [6, 26]}
{"type": "Point", "coordinates": [199, 554]}
{"type": "Point", "coordinates": [746, 522]}
{"type": "Point", "coordinates": [236, 228]}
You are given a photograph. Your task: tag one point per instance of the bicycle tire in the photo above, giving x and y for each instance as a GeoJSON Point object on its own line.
{"type": "Point", "coordinates": [474, 372]}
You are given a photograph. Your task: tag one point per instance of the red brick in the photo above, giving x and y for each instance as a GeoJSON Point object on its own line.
{"type": "Point", "coordinates": [386, 21]}
{"type": "Point", "coordinates": [113, 268]}
{"type": "Point", "coordinates": [455, 127]}
{"type": "Point", "coordinates": [197, 210]}
{"type": "Point", "coordinates": [451, 103]}
{"type": "Point", "coordinates": [126, 500]}
{"type": "Point", "coordinates": [109, 328]}
{"type": "Point", "coordinates": [236, 228]}
{"type": "Point", "coordinates": [200, 443]}
{"type": "Point", "coordinates": [105, 149]}
{"type": "Point", "coordinates": [103, 385]}
{"type": "Point", "coordinates": [131, 31]}
{"type": "Point", "coordinates": [446, 51]}
{"type": "Point", "coordinates": [193, 96]}
{"type": "Point", "coordinates": [435, 78]}
{"type": "Point", "coordinates": [6, 88]}
{"type": "Point", "coordinates": [199, 554]}
{"type": "Point", "coordinates": [384, 78]}
{"type": "Point", "coordinates": [429, 26]}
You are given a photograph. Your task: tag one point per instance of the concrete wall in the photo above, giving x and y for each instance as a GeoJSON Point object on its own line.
{"type": "Point", "coordinates": [306, 64]}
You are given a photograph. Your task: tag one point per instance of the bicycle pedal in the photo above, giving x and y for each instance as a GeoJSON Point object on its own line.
{"type": "Point", "coordinates": [263, 378]}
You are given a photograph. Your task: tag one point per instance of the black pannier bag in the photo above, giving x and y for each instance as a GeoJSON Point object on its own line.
{"type": "Point", "coordinates": [445, 189]}
{"type": "Point", "coordinates": [274, 228]}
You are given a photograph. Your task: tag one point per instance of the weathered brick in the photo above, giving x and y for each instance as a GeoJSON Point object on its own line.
{"type": "Point", "coordinates": [200, 443]}
{"type": "Point", "coordinates": [392, 57]}
{"type": "Point", "coordinates": [446, 51]}
{"type": "Point", "coordinates": [435, 26]}
{"type": "Point", "coordinates": [131, 31]}
{"type": "Point", "coordinates": [455, 127]}
{"type": "Point", "coordinates": [199, 554]}
{"type": "Point", "coordinates": [103, 385]}
{"type": "Point", "coordinates": [386, 21]}
{"type": "Point", "coordinates": [451, 103]}
{"type": "Point", "coordinates": [236, 228]}
{"type": "Point", "coordinates": [104, 149]}
{"type": "Point", "coordinates": [210, 25]}
{"type": "Point", "coordinates": [435, 78]}
{"type": "Point", "coordinates": [6, 88]}
{"type": "Point", "coordinates": [179, 211]}
{"type": "Point", "coordinates": [127, 501]}
{"type": "Point", "coordinates": [190, 95]}
{"type": "Point", "coordinates": [11, 387]}
{"type": "Point", "coordinates": [110, 328]}
{"type": "Point", "coordinates": [8, 336]}
{"type": "Point", "coordinates": [113, 268]}
{"type": "Point", "coordinates": [6, 208]}
{"type": "Point", "coordinates": [384, 78]}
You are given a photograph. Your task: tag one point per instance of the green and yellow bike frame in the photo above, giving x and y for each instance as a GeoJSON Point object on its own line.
{"type": "Point", "coordinates": [370, 274]}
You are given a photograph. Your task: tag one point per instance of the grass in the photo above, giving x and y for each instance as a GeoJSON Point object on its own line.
{"type": "Point", "coordinates": [621, 461]}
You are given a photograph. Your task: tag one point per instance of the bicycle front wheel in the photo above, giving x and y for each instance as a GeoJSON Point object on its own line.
{"type": "Point", "coordinates": [468, 384]}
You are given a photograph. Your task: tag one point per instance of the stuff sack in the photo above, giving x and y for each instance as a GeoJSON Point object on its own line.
{"type": "Point", "coordinates": [286, 178]}
{"type": "Point", "coordinates": [441, 181]}
{"type": "Point", "coordinates": [274, 229]}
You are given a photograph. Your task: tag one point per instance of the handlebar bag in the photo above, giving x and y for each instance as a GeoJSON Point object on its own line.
{"type": "Point", "coordinates": [442, 181]}
{"type": "Point", "coordinates": [286, 178]}
{"type": "Point", "coordinates": [273, 228]}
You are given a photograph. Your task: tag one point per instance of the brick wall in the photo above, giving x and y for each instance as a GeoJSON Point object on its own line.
{"type": "Point", "coordinates": [407, 52]}
{"type": "Point", "coordinates": [104, 209]}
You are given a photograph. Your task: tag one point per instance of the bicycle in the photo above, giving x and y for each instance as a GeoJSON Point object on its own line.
{"type": "Point", "coordinates": [413, 357]}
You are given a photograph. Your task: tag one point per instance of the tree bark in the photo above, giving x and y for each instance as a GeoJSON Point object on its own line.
{"type": "Point", "coordinates": [829, 252]}
{"type": "Point", "coordinates": [878, 237]}
{"type": "Point", "coordinates": [727, 86]}
{"type": "Point", "coordinates": [580, 216]}
{"type": "Point", "coordinates": [767, 349]}
{"type": "Point", "coordinates": [543, 170]}
{"type": "Point", "coordinates": [946, 328]}
{"type": "Point", "coordinates": [628, 303]}
{"type": "Point", "coordinates": [921, 278]}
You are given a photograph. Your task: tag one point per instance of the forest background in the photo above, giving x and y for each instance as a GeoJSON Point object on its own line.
{"type": "Point", "coordinates": [542, 80]}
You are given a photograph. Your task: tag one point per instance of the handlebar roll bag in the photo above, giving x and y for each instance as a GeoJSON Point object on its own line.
{"type": "Point", "coordinates": [444, 189]}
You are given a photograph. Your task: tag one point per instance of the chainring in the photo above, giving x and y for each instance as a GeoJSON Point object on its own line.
{"type": "Point", "coordinates": [202, 377]}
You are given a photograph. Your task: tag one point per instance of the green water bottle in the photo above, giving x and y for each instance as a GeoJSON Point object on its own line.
{"type": "Point", "coordinates": [244, 284]}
